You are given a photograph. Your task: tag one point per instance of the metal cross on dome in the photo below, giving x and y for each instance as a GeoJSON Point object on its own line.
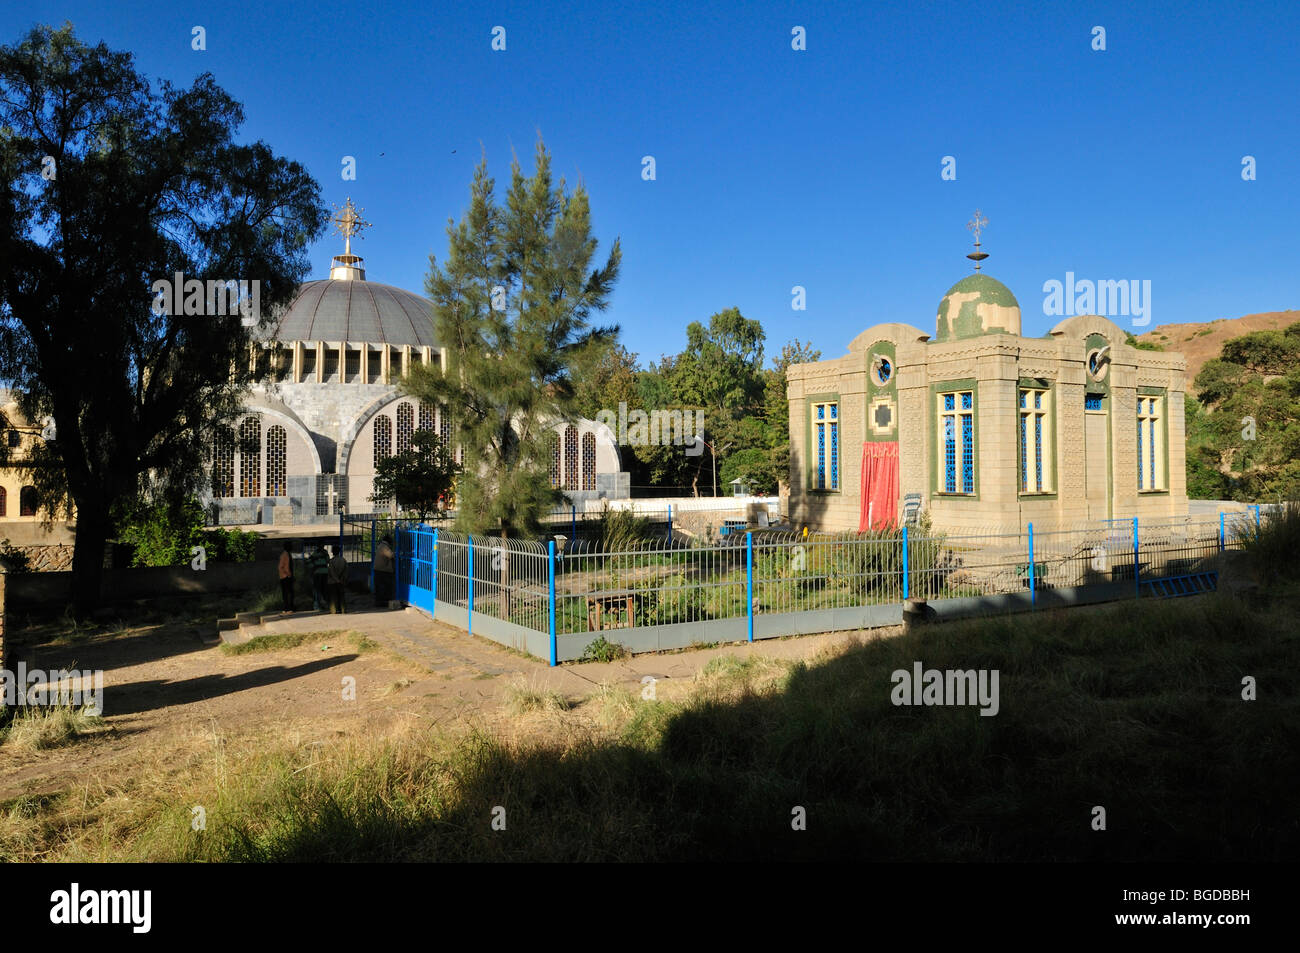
{"type": "Point", "coordinates": [975, 224]}
{"type": "Point", "coordinates": [348, 223]}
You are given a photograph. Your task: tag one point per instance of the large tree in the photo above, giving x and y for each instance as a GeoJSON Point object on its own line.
{"type": "Point", "coordinates": [1248, 445]}
{"type": "Point", "coordinates": [512, 305]}
{"type": "Point", "coordinates": [110, 184]}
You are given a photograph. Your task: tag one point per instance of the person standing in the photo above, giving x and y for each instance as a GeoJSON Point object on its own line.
{"type": "Point", "coordinates": [319, 566]}
{"type": "Point", "coordinates": [385, 564]}
{"type": "Point", "coordinates": [338, 580]}
{"type": "Point", "coordinates": [286, 576]}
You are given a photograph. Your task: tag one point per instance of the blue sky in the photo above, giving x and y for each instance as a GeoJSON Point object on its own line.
{"type": "Point", "coordinates": [776, 168]}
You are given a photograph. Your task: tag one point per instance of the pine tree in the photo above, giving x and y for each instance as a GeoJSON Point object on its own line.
{"type": "Point", "coordinates": [512, 304]}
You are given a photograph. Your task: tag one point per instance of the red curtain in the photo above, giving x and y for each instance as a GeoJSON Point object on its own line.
{"type": "Point", "coordinates": [879, 498]}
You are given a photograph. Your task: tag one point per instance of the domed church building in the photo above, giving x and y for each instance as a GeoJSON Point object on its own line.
{"type": "Point", "coordinates": [986, 429]}
{"type": "Point", "coordinates": [326, 408]}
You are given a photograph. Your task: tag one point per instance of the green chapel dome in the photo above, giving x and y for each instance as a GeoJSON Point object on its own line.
{"type": "Point", "coordinates": [977, 305]}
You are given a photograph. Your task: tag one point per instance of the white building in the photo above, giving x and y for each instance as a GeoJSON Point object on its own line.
{"type": "Point", "coordinates": [327, 408]}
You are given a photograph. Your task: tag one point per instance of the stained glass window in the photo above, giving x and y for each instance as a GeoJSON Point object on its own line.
{"type": "Point", "coordinates": [250, 457]}
{"type": "Point", "coordinates": [405, 426]}
{"type": "Point", "coordinates": [589, 461]}
{"type": "Point", "coordinates": [826, 432]}
{"type": "Point", "coordinates": [426, 416]}
{"type": "Point", "coordinates": [223, 468]}
{"type": "Point", "coordinates": [555, 459]}
{"type": "Point", "coordinates": [1038, 452]}
{"type": "Point", "coordinates": [383, 439]}
{"type": "Point", "coordinates": [954, 421]}
{"type": "Point", "coordinates": [1092, 402]}
{"type": "Point", "coordinates": [276, 482]}
{"type": "Point", "coordinates": [1034, 477]}
{"type": "Point", "coordinates": [570, 458]}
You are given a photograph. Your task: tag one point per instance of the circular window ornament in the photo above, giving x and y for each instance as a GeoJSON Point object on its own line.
{"type": "Point", "coordinates": [1099, 363]}
{"type": "Point", "coordinates": [882, 369]}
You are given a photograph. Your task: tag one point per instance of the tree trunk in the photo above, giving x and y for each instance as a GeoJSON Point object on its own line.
{"type": "Point", "coordinates": [88, 563]}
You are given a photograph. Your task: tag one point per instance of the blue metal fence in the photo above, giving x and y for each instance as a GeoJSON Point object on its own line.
{"type": "Point", "coordinates": [552, 601]}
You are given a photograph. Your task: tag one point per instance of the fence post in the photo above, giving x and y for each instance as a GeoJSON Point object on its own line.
{"type": "Point", "coordinates": [1256, 509]}
{"type": "Point", "coordinates": [1137, 585]}
{"type": "Point", "coordinates": [670, 521]}
{"type": "Point", "coordinates": [550, 553]}
{"type": "Point", "coordinates": [1223, 543]}
{"type": "Point", "coordinates": [906, 581]}
{"type": "Point", "coordinates": [372, 557]}
{"type": "Point", "coordinates": [749, 580]}
{"type": "Point", "coordinates": [469, 580]}
{"type": "Point", "coordinates": [433, 611]}
{"type": "Point", "coordinates": [1033, 589]}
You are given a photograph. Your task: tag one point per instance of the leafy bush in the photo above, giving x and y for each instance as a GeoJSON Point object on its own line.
{"type": "Point", "coordinates": [230, 545]}
{"type": "Point", "coordinates": [164, 534]}
{"type": "Point", "coordinates": [601, 649]}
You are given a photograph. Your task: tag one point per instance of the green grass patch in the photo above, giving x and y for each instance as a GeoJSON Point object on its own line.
{"type": "Point", "coordinates": [279, 641]}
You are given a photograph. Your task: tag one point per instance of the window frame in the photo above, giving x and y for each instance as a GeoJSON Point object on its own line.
{"type": "Point", "coordinates": [1042, 468]}
{"type": "Point", "coordinates": [834, 465]}
{"type": "Point", "coordinates": [956, 389]}
{"type": "Point", "coordinates": [1158, 430]}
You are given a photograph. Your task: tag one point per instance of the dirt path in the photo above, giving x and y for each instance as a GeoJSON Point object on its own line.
{"type": "Point", "coordinates": [168, 696]}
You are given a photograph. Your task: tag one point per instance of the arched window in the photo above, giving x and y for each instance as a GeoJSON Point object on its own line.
{"type": "Point", "coordinates": [4, 497]}
{"type": "Point", "coordinates": [589, 461]}
{"type": "Point", "coordinates": [276, 482]}
{"type": "Point", "coordinates": [223, 468]}
{"type": "Point", "coordinates": [27, 501]}
{"type": "Point", "coordinates": [383, 438]}
{"type": "Point", "coordinates": [250, 457]}
{"type": "Point", "coordinates": [555, 459]}
{"type": "Point", "coordinates": [405, 425]}
{"type": "Point", "coordinates": [570, 458]}
{"type": "Point", "coordinates": [426, 416]}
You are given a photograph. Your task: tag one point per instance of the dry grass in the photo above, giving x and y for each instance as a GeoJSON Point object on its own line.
{"type": "Point", "coordinates": [39, 729]}
{"type": "Point", "coordinates": [525, 696]}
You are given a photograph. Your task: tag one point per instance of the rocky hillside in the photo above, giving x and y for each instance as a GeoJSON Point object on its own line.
{"type": "Point", "coordinates": [1202, 342]}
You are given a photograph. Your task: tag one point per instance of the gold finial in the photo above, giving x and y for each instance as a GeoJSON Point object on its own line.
{"type": "Point", "coordinates": [975, 224]}
{"type": "Point", "coordinates": [348, 223]}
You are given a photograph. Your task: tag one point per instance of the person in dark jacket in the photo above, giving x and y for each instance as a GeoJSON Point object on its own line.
{"type": "Point", "coordinates": [319, 566]}
{"type": "Point", "coordinates": [286, 576]}
{"type": "Point", "coordinates": [338, 580]}
{"type": "Point", "coordinates": [385, 567]}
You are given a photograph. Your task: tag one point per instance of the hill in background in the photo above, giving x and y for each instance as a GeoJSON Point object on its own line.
{"type": "Point", "coordinates": [1202, 342]}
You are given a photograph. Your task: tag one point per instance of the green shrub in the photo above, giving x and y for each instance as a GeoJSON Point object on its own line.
{"type": "Point", "coordinates": [162, 534]}
{"type": "Point", "coordinates": [601, 649]}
